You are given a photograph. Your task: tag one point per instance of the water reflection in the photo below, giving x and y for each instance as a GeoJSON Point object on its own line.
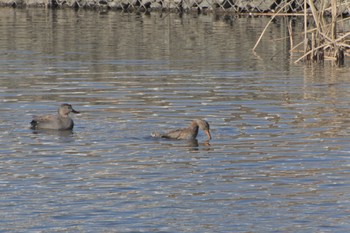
{"type": "Point", "coordinates": [64, 136]}
{"type": "Point", "coordinates": [279, 151]}
{"type": "Point", "coordinates": [192, 145]}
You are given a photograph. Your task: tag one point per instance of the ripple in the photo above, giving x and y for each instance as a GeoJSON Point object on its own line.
{"type": "Point", "coordinates": [279, 151]}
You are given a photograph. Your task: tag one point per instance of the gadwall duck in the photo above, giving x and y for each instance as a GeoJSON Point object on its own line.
{"type": "Point", "coordinates": [61, 121]}
{"type": "Point", "coordinates": [189, 133]}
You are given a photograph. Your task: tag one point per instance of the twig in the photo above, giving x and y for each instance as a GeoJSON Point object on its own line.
{"type": "Point", "coordinates": [305, 28]}
{"type": "Point", "coordinates": [263, 32]}
{"type": "Point", "coordinates": [329, 44]}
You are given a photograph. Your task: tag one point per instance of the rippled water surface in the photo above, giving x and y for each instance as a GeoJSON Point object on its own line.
{"type": "Point", "coordinates": [278, 161]}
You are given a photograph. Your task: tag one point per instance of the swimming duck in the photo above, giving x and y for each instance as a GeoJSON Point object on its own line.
{"type": "Point", "coordinates": [188, 133]}
{"type": "Point", "coordinates": [61, 121]}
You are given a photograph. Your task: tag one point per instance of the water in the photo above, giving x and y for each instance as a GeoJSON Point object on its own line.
{"type": "Point", "coordinates": [278, 160]}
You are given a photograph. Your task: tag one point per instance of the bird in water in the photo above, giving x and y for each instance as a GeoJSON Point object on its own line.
{"type": "Point", "coordinates": [189, 133]}
{"type": "Point", "coordinates": [61, 121]}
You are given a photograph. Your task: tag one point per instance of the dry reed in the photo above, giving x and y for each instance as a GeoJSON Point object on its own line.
{"type": "Point", "coordinates": [322, 41]}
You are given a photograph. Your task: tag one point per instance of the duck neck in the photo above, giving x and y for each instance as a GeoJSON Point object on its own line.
{"type": "Point", "coordinates": [62, 114]}
{"type": "Point", "coordinates": [194, 129]}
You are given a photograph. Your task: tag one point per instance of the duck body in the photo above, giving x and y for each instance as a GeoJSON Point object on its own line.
{"type": "Point", "coordinates": [189, 133]}
{"type": "Point", "coordinates": [182, 134]}
{"type": "Point", "coordinates": [61, 121]}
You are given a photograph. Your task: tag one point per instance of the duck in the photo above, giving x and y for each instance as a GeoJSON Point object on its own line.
{"type": "Point", "coordinates": [61, 121]}
{"type": "Point", "coordinates": [189, 133]}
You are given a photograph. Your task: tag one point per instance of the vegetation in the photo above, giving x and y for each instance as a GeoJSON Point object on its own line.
{"type": "Point", "coordinates": [321, 41]}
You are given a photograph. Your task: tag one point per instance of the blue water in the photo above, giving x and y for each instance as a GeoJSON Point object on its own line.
{"type": "Point", "coordinates": [278, 160]}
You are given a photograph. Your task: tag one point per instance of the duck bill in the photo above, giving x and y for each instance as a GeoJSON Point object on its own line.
{"type": "Point", "coordinates": [207, 132]}
{"type": "Point", "coordinates": [76, 112]}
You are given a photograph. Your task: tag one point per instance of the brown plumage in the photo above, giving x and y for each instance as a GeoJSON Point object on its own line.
{"type": "Point", "coordinates": [188, 133]}
{"type": "Point", "coordinates": [61, 121]}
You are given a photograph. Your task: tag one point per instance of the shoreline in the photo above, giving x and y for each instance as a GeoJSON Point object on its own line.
{"type": "Point", "coordinates": [251, 8]}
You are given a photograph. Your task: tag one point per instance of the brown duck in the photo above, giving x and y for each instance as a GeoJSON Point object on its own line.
{"type": "Point", "coordinates": [189, 133]}
{"type": "Point", "coordinates": [61, 121]}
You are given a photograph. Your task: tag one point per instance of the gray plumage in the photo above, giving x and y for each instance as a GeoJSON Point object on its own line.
{"type": "Point", "coordinates": [61, 121]}
{"type": "Point", "coordinates": [188, 133]}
